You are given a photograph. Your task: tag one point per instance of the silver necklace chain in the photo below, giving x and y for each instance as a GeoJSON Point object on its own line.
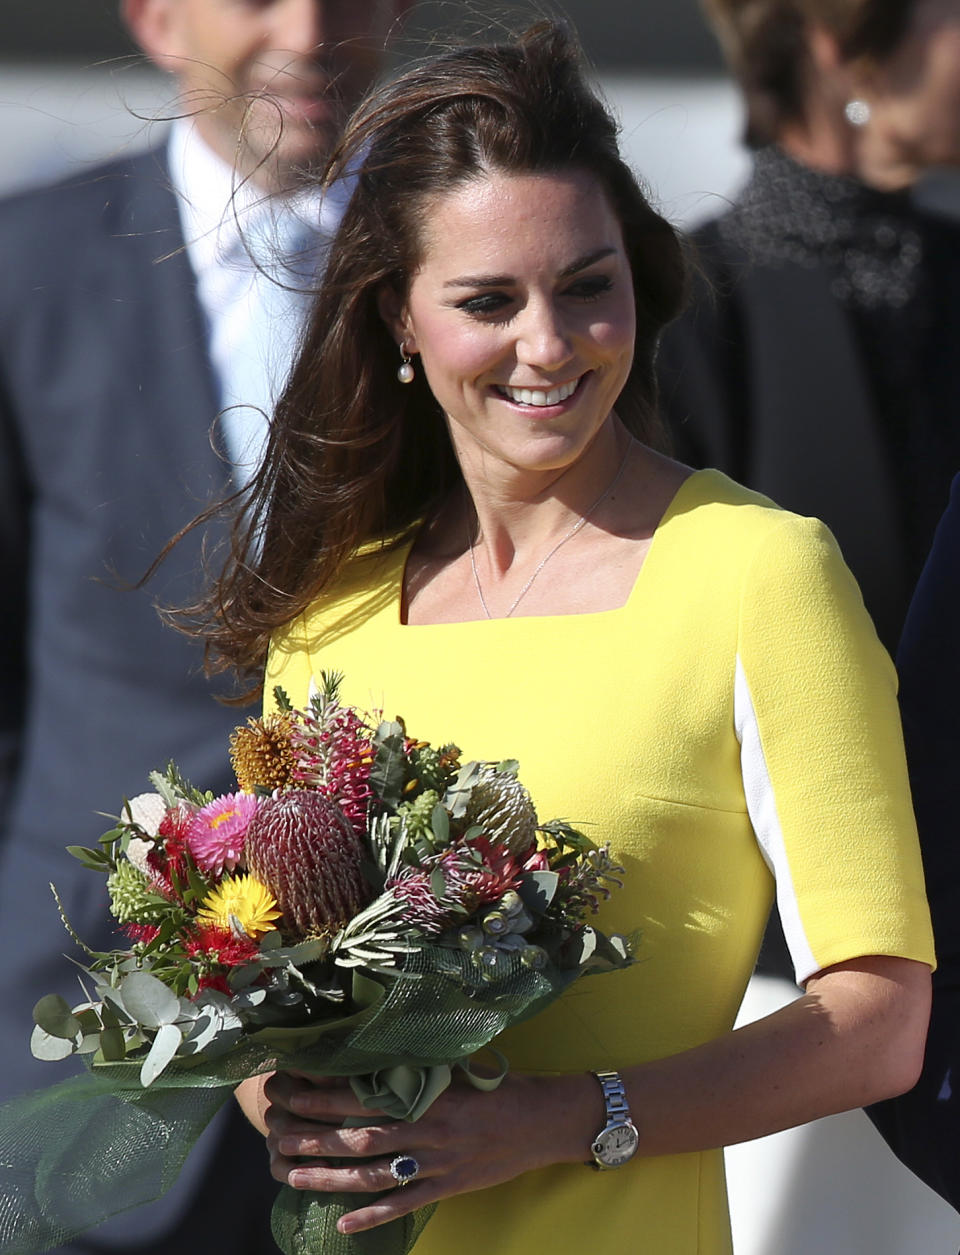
{"type": "Point", "coordinates": [580, 523]}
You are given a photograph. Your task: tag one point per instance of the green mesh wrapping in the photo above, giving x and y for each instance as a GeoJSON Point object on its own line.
{"type": "Point", "coordinates": [97, 1144]}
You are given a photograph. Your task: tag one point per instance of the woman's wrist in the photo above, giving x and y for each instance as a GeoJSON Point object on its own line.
{"type": "Point", "coordinates": [563, 1113]}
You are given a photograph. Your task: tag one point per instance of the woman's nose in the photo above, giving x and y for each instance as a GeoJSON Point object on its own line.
{"type": "Point", "coordinates": [543, 339]}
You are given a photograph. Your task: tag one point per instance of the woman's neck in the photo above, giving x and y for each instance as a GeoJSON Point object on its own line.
{"type": "Point", "coordinates": [516, 516]}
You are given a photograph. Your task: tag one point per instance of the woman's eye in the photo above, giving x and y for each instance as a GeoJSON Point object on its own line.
{"type": "Point", "coordinates": [486, 303]}
{"type": "Point", "coordinates": [590, 288]}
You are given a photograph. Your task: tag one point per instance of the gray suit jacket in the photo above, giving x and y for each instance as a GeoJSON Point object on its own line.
{"type": "Point", "coordinates": [106, 402]}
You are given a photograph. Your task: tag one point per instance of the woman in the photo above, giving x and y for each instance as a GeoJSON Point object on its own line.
{"type": "Point", "coordinates": [832, 299]}
{"type": "Point", "coordinates": [461, 509]}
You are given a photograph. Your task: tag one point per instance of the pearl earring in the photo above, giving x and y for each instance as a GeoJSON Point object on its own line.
{"type": "Point", "coordinates": [857, 112]}
{"type": "Point", "coordinates": [405, 370]}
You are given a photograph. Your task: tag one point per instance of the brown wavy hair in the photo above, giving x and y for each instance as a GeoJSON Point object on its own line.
{"type": "Point", "coordinates": [353, 456]}
{"type": "Point", "coordinates": [765, 43]}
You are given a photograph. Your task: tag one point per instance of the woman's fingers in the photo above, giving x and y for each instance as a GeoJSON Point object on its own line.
{"type": "Point", "coordinates": [359, 1176]}
{"type": "Point", "coordinates": [292, 1137]}
{"type": "Point", "coordinates": [329, 1099]}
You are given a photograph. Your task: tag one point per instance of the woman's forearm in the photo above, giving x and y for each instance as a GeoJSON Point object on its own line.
{"type": "Point", "coordinates": [855, 1036]}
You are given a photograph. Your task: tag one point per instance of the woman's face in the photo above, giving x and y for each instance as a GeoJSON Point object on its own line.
{"type": "Point", "coordinates": [914, 94]}
{"type": "Point", "coordinates": [522, 312]}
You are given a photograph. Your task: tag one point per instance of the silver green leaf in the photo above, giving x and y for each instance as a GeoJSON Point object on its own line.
{"type": "Point", "coordinates": [54, 1016]}
{"type": "Point", "coordinates": [165, 1045]}
{"type": "Point", "coordinates": [49, 1048]}
{"type": "Point", "coordinates": [149, 1000]}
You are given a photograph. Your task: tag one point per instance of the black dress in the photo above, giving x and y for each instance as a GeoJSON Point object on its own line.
{"type": "Point", "coordinates": [817, 363]}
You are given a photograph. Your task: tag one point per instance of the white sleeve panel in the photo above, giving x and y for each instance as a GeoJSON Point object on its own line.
{"type": "Point", "coordinates": [762, 809]}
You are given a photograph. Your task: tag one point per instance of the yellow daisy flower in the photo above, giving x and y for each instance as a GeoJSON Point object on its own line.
{"type": "Point", "coordinates": [240, 904]}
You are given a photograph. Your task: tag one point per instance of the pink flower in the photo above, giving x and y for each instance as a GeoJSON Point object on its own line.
{"type": "Point", "coordinates": [218, 830]}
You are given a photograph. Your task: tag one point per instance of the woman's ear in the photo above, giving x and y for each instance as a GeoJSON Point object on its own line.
{"type": "Point", "coordinates": [394, 313]}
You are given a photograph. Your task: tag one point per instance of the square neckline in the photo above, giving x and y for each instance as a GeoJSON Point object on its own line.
{"type": "Point", "coordinates": [673, 507]}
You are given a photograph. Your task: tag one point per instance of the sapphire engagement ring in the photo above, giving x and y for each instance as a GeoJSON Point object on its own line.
{"type": "Point", "coordinates": [404, 1169]}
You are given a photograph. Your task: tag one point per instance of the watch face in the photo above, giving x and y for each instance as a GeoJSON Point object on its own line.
{"type": "Point", "coordinates": [616, 1144]}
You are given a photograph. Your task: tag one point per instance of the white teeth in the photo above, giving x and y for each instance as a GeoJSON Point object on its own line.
{"type": "Point", "coordinates": [536, 396]}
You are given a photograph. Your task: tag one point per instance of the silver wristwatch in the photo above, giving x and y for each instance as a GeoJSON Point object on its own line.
{"type": "Point", "coordinates": [618, 1140]}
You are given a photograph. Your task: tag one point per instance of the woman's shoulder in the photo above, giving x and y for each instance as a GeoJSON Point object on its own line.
{"type": "Point", "coordinates": [711, 508]}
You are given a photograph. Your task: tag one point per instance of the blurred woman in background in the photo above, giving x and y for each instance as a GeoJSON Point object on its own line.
{"type": "Point", "coordinates": [817, 363]}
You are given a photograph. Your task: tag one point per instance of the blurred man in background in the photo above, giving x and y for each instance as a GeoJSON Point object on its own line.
{"type": "Point", "coordinates": [138, 302]}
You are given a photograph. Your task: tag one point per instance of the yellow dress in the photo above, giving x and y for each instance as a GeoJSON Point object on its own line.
{"type": "Point", "coordinates": [732, 726]}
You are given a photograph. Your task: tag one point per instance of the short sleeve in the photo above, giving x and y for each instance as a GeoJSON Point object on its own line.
{"type": "Point", "coordinates": [822, 757]}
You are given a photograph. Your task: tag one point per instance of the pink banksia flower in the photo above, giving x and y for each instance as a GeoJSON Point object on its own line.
{"type": "Point", "coordinates": [217, 832]}
{"type": "Point", "coordinates": [333, 753]}
{"type": "Point", "coordinates": [424, 910]}
{"type": "Point", "coordinates": [475, 874]}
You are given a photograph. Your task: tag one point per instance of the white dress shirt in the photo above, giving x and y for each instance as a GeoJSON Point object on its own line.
{"type": "Point", "coordinates": [255, 257]}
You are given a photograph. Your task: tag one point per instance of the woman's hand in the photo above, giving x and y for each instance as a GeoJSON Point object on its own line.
{"type": "Point", "coordinates": [467, 1140]}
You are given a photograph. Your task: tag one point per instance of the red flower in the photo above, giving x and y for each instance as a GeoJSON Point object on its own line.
{"type": "Point", "coordinates": [140, 932]}
{"type": "Point", "coordinates": [220, 946]}
{"type": "Point", "coordinates": [214, 981]}
{"type": "Point", "coordinates": [171, 860]}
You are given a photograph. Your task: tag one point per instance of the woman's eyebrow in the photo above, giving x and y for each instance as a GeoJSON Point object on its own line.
{"type": "Point", "coordinates": [500, 281]}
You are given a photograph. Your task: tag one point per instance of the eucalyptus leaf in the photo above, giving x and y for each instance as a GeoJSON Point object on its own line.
{"type": "Point", "coordinates": [49, 1048]}
{"type": "Point", "coordinates": [113, 1046]}
{"type": "Point", "coordinates": [165, 1045]}
{"type": "Point", "coordinates": [54, 1015]}
{"type": "Point", "coordinates": [149, 1001]}
{"type": "Point", "coordinates": [538, 889]}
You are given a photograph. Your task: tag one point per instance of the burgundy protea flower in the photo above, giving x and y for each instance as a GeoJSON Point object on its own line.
{"type": "Point", "coordinates": [304, 849]}
{"type": "Point", "coordinates": [333, 753]}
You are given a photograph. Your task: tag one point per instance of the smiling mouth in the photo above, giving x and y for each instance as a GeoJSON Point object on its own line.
{"type": "Point", "coordinates": [538, 396]}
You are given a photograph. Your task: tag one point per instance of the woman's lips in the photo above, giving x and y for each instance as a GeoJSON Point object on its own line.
{"type": "Point", "coordinates": [540, 398]}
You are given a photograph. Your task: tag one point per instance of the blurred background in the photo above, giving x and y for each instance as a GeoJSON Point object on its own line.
{"type": "Point", "coordinates": [73, 90]}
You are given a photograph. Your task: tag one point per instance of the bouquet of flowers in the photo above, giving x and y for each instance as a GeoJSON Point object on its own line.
{"type": "Point", "coordinates": [364, 905]}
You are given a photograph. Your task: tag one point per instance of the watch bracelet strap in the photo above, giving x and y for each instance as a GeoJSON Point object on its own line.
{"type": "Point", "coordinates": [617, 1111]}
{"type": "Point", "coordinates": [614, 1097]}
